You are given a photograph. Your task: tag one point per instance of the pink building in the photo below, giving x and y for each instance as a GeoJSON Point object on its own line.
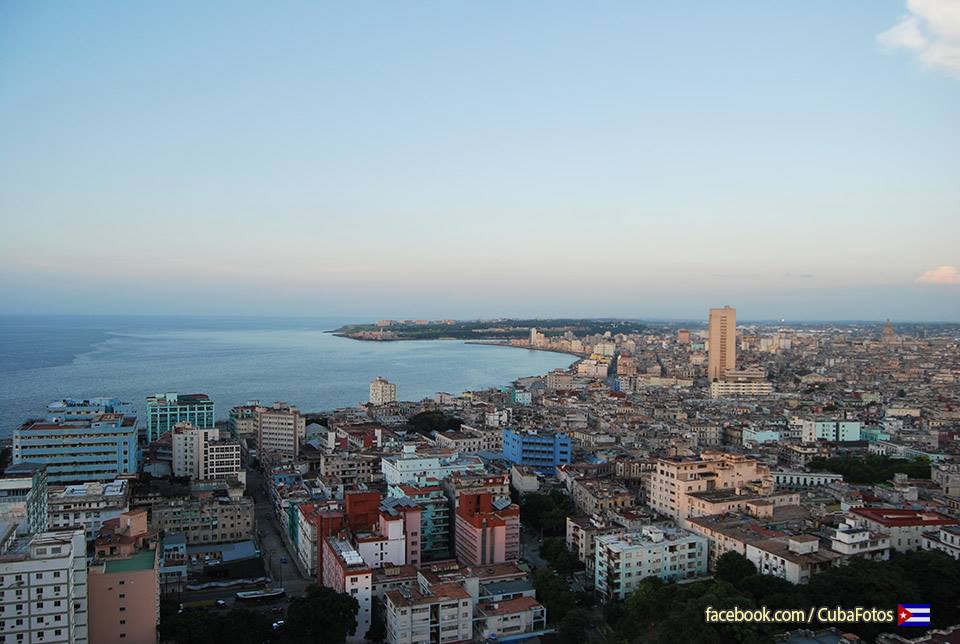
{"type": "Point", "coordinates": [123, 599]}
{"type": "Point", "coordinates": [487, 530]}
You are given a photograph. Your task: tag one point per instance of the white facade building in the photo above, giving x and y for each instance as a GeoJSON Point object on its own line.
{"type": "Point", "coordinates": [411, 467]}
{"type": "Point", "coordinates": [44, 577]}
{"type": "Point", "coordinates": [621, 561]}
{"type": "Point", "coordinates": [87, 506]}
{"type": "Point", "coordinates": [280, 430]}
{"type": "Point", "coordinates": [200, 454]}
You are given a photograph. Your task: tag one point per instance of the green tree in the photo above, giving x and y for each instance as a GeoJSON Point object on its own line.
{"type": "Point", "coordinates": [553, 593]}
{"type": "Point", "coordinates": [378, 622]}
{"type": "Point", "coordinates": [734, 567]}
{"type": "Point", "coordinates": [573, 626]}
{"type": "Point", "coordinates": [321, 616]}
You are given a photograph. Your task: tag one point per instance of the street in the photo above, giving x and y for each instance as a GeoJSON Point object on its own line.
{"type": "Point", "coordinates": [271, 542]}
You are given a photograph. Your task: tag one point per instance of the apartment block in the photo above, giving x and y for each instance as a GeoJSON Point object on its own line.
{"type": "Point", "coordinates": [280, 430]}
{"type": "Point", "coordinates": [200, 454]}
{"type": "Point", "coordinates": [382, 391]}
{"type": "Point", "coordinates": [45, 581]}
{"type": "Point", "coordinates": [87, 506]}
{"type": "Point", "coordinates": [23, 496]}
{"type": "Point", "coordinates": [164, 411]}
{"type": "Point", "coordinates": [542, 450]}
{"type": "Point", "coordinates": [487, 530]}
{"type": "Point", "coordinates": [622, 561]}
{"type": "Point", "coordinates": [345, 572]}
{"type": "Point", "coordinates": [207, 520]}
{"type": "Point", "coordinates": [124, 599]}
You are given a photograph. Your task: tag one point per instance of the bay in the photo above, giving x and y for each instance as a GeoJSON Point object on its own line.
{"type": "Point", "coordinates": [45, 358]}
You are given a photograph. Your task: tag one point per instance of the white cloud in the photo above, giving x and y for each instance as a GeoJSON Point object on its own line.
{"type": "Point", "coordinates": [931, 30]}
{"type": "Point", "coordinates": [941, 275]}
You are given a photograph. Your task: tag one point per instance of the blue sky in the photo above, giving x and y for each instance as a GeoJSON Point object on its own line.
{"type": "Point", "coordinates": [637, 159]}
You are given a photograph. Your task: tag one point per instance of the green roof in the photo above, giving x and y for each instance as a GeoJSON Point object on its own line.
{"type": "Point", "coordinates": [140, 561]}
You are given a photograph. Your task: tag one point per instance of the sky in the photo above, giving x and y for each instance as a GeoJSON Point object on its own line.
{"type": "Point", "coordinates": [423, 159]}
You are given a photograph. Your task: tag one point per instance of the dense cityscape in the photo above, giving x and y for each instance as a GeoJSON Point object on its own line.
{"type": "Point", "coordinates": [666, 475]}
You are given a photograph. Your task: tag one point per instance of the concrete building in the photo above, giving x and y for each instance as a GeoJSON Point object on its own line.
{"type": "Point", "coordinates": [581, 533]}
{"type": "Point", "coordinates": [23, 497]}
{"type": "Point", "coordinates": [747, 387]}
{"type": "Point", "coordinates": [435, 525]}
{"type": "Point", "coordinates": [345, 572]}
{"type": "Point", "coordinates": [124, 599]}
{"type": "Point", "coordinates": [208, 520]}
{"type": "Point", "coordinates": [87, 506]}
{"type": "Point", "coordinates": [243, 419]}
{"type": "Point", "coordinates": [905, 527]}
{"type": "Point", "coordinates": [382, 391]}
{"type": "Point", "coordinates": [438, 613]}
{"type": "Point", "coordinates": [675, 480]}
{"type": "Point", "coordinates": [45, 580]}
{"type": "Point", "coordinates": [946, 540]}
{"type": "Point", "coordinates": [164, 411]}
{"type": "Point", "coordinates": [200, 454]}
{"type": "Point", "coordinates": [541, 450]}
{"type": "Point", "coordinates": [794, 558]}
{"type": "Point", "coordinates": [77, 450]}
{"type": "Point", "coordinates": [622, 561]}
{"type": "Point", "coordinates": [835, 431]}
{"type": "Point", "coordinates": [411, 466]}
{"type": "Point", "coordinates": [280, 431]}
{"type": "Point", "coordinates": [722, 354]}
{"type": "Point", "coordinates": [851, 540]}
{"type": "Point", "coordinates": [487, 530]}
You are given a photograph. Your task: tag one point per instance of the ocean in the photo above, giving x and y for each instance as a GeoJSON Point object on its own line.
{"type": "Point", "coordinates": [233, 359]}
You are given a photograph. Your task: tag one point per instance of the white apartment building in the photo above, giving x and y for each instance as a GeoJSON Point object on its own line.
{"type": "Point", "coordinates": [794, 558]}
{"type": "Point", "coordinates": [200, 454]}
{"type": "Point", "coordinates": [621, 561]}
{"type": "Point", "coordinates": [382, 391]}
{"type": "Point", "coordinates": [835, 431]}
{"type": "Point", "coordinates": [44, 583]}
{"type": "Point", "coordinates": [413, 467]}
{"type": "Point", "coordinates": [788, 479]}
{"type": "Point", "coordinates": [420, 615]}
{"type": "Point", "coordinates": [727, 388]}
{"type": "Point", "coordinates": [280, 430]}
{"type": "Point", "coordinates": [946, 540]}
{"type": "Point", "coordinates": [904, 526]}
{"type": "Point", "coordinates": [851, 540]}
{"type": "Point", "coordinates": [87, 506]}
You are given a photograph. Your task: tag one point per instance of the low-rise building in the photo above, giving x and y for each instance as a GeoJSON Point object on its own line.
{"type": "Point", "coordinates": [794, 558]}
{"type": "Point", "coordinates": [904, 526]}
{"type": "Point", "coordinates": [207, 520]}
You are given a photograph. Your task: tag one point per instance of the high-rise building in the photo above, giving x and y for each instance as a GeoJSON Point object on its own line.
{"type": "Point", "coordinates": [723, 342]}
{"type": "Point", "coordinates": [243, 419]}
{"type": "Point", "coordinates": [487, 530]}
{"type": "Point", "coordinates": [382, 391]}
{"type": "Point", "coordinates": [164, 411]}
{"type": "Point", "coordinates": [201, 455]}
{"type": "Point", "coordinates": [280, 430]}
{"type": "Point", "coordinates": [23, 496]}
{"type": "Point", "coordinates": [49, 572]}
{"type": "Point", "coordinates": [75, 450]}
{"type": "Point", "coordinates": [124, 592]}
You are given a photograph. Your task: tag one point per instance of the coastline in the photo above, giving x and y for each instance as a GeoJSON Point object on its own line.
{"type": "Point", "coordinates": [496, 343]}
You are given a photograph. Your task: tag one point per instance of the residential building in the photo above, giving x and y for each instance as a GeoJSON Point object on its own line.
{"type": "Point", "coordinates": [87, 506]}
{"type": "Point", "coordinates": [510, 620]}
{"type": "Point", "coordinates": [435, 526]}
{"type": "Point", "coordinates": [280, 430]}
{"type": "Point", "coordinates": [45, 580]}
{"type": "Point", "coordinates": [411, 466]}
{"type": "Point", "coordinates": [164, 411]}
{"type": "Point", "coordinates": [794, 558]}
{"type": "Point", "coordinates": [243, 419]}
{"type": "Point", "coordinates": [206, 520]}
{"type": "Point", "coordinates": [740, 387]}
{"type": "Point", "coordinates": [581, 532]}
{"type": "Point", "coordinates": [436, 614]}
{"type": "Point", "coordinates": [382, 391]}
{"type": "Point", "coordinates": [722, 352]}
{"type": "Point", "coordinates": [543, 450]}
{"type": "Point", "coordinates": [676, 479]}
{"type": "Point", "coordinates": [23, 496]}
{"type": "Point", "coordinates": [345, 572]}
{"type": "Point", "coordinates": [487, 529]}
{"type": "Point", "coordinates": [904, 526]}
{"type": "Point", "coordinates": [200, 454]}
{"type": "Point", "coordinates": [835, 431]}
{"type": "Point", "coordinates": [124, 599]}
{"type": "Point", "coordinates": [622, 561]}
{"type": "Point", "coordinates": [851, 540]}
{"type": "Point", "coordinates": [77, 450]}
{"type": "Point", "coordinates": [946, 540]}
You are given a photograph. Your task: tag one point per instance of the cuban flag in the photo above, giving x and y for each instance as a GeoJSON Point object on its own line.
{"type": "Point", "coordinates": [913, 615]}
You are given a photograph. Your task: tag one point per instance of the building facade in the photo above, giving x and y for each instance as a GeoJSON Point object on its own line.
{"type": "Point", "coordinates": [722, 353]}
{"type": "Point", "coordinates": [540, 450]}
{"type": "Point", "coordinates": [382, 391]}
{"type": "Point", "coordinates": [164, 411]}
{"type": "Point", "coordinates": [622, 561]}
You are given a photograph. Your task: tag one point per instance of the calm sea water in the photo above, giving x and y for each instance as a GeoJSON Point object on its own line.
{"type": "Point", "coordinates": [44, 358]}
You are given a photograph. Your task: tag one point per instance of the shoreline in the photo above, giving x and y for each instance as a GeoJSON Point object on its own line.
{"type": "Point", "coordinates": [495, 343]}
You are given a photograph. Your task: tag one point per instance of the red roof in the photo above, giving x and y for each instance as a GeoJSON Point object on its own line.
{"type": "Point", "coordinates": [898, 517]}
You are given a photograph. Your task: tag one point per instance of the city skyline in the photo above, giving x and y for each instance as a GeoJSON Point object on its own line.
{"type": "Point", "coordinates": [475, 162]}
